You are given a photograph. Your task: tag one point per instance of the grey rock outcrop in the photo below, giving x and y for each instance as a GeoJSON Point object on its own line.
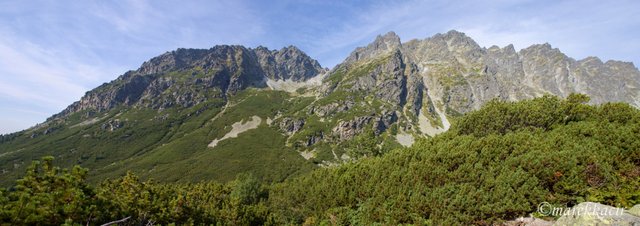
{"type": "Point", "coordinates": [635, 210]}
{"type": "Point", "coordinates": [287, 64]}
{"type": "Point", "coordinates": [290, 126]}
{"type": "Point", "coordinates": [384, 121]}
{"type": "Point", "coordinates": [332, 108]}
{"type": "Point", "coordinates": [311, 140]}
{"type": "Point", "coordinates": [381, 45]}
{"type": "Point", "coordinates": [112, 125]}
{"type": "Point", "coordinates": [346, 130]}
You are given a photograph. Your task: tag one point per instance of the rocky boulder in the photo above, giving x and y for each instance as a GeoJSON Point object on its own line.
{"type": "Point", "coordinates": [332, 108]}
{"type": "Point", "coordinates": [112, 125]}
{"type": "Point", "coordinates": [290, 125]}
{"type": "Point", "coordinates": [346, 130]}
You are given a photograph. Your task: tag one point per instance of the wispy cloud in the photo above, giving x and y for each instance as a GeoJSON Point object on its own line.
{"type": "Point", "coordinates": [41, 81]}
{"type": "Point", "coordinates": [588, 30]}
{"type": "Point", "coordinates": [129, 16]}
{"type": "Point", "coordinates": [609, 29]}
{"type": "Point", "coordinates": [33, 66]}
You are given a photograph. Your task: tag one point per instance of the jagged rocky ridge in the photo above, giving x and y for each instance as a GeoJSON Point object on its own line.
{"type": "Point", "coordinates": [215, 73]}
{"type": "Point", "coordinates": [427, 81]}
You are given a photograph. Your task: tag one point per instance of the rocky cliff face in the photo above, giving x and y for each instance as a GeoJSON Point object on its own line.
{"type": "Point", "coordinates": [186, 77]}
{"type": "Point", "coordinates": [503, 73]}
{"type": "Point", "coordinates": [427, 81]}
{"type": "Point", "coordinates": [287, 64]}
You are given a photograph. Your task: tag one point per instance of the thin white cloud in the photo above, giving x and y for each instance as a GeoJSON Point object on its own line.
{"type": "Point", "coordinates": [30, 66]}
{"type": "Point", "coordinates": [578, 29]}
{"type": "Point", "coordinates": [45, 80]}
{"type": "Point", "coordinates": [126, 16]}
{"type": "Point", "coordinates": [11, 125]}
{"type": "Point", "coordinates": [16, 118]}
{"type": "Point", "coordinates": [527, 33]}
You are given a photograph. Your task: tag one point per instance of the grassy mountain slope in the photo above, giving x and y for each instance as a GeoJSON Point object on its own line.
{"type": "Point", "coordinates": [169, 144]}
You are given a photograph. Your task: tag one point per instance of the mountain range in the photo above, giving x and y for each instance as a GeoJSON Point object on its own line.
{"type": "Point", "coordinates": [209, 114]}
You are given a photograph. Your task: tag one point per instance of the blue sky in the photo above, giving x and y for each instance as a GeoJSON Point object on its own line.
{"type": "Point", "coordinates": [52, 52]}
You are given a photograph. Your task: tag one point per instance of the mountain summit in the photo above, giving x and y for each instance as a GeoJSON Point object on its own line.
{"type": "Point", "coordinates": [214, 73]}
{"type": "Point", "coordinates": [195, 114]}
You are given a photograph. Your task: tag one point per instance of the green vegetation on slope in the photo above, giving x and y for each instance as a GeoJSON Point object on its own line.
{"type": "Point", "coordinates": [261, 151]}
{"type": "Point", "coordinates": [95, 145]}
{"type": "Point", "coordinates": [494, 164]}
{"type": "Point", "coordinates": [167, 145]}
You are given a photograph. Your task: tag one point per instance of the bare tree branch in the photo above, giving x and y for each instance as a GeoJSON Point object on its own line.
{"type": "Point", "coordinates": [118, 221]}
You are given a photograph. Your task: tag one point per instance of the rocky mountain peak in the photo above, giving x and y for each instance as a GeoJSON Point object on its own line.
{"type": "Point", "coordinates": [541, 49]}
{"type": "Point", "coordinates": [177, 59]}
{"type": "Point", "coordinates": [157, 64]}
{"type": "Point", "coordinates": [591, 60]}
{"type": "Point", "coordinates": [628, 66]}
{"type": "Point", "coordinates": [288, 63]}
{"type": "Point", "coordinates": [509, 49]}
{"type": "Point", "coordinates": [292, 50]}
{"type": "Point", "coordinates": [382, 44]}
{"type": "Point", "coordinates": [186, 77]}
{"type": "Point", "coordinates": [390, 40]}
{"type": "Point", "coordinates": [458, 40]}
